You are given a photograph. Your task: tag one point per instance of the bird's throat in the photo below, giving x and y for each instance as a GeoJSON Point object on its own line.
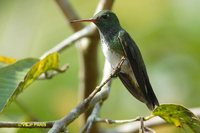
{"type": "Point", "coordinates": [112, 42]}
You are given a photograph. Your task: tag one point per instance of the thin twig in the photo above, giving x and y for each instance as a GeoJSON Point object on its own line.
{"type": "Point", "coordinates": [153, 122]}
{"type": "Point", "coordinates": [109, 121]}
{"type": "Point", "coordinates": [103, 94]}
{"type": "Point", "coordinates": [142, 127]}
{"type": "Point", "coordinates": [149, 130]}
{"type": "Point", "coordinates": [83, 106]}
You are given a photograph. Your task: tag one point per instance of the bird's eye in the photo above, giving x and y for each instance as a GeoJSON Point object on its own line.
{"type": "Point", "coordinates": [105, 16]}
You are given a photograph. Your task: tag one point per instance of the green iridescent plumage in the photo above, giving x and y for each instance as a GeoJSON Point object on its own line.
{"type": "Point", "coordinates": [116, 42]}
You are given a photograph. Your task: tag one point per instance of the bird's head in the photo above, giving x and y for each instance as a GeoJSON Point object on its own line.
{"type": "Point", "coordinates": [104, 20]}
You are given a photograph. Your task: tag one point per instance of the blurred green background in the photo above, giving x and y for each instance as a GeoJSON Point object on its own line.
{"type": "Point", "coordinates": [167, 32]}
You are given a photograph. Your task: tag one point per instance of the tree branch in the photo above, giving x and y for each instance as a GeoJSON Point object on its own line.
{"type": "Point", "coordinates": [70, 14]}
{"type": "Point", "coordinates": [83, 106]}
{"type": "Point", "coordinates": [132, 127]}
{"type": "Point", "coordinates": [109, 121]}
{"type": "Point", "coordinates": [103, 5]}
{"type": "Point", "coordinates": [98, 99]}
{"type": "Point", "coordinates": [87, 31]}
{"type": "Point", "coordinates": [103, 94]}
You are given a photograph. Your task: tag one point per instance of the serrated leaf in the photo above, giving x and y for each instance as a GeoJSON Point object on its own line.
{"type": "Point", "coordinates": [178, 115]}
{"type": "Point", "coordinates": [18, 76]}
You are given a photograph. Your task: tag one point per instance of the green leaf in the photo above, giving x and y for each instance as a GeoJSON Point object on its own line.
{"type": "Point", "coordinates": [11, 76]}
{"type": "Point", "coordinates": [18, 76]}
{"type": "Point", "coordinates": [2, 64]}
{"type": "Point", "coordinates": [178, 115]}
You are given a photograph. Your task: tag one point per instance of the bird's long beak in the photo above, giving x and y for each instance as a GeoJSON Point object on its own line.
{"type": "Point", "coordinates": [83, 20]}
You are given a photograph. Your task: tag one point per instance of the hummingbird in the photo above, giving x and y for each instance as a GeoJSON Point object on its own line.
{"type": "Point", "coordinates": [117, 43]}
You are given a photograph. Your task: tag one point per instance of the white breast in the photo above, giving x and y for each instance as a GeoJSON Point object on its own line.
{"type": "Point", "coordinates": [114, 58]}
{"type": "Point", "coordinates": [111, 56]}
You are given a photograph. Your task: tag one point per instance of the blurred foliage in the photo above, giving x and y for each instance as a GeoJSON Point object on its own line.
{"type": "Point", "coordinates": [167, 33]}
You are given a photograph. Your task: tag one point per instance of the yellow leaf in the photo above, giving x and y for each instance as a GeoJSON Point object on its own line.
{"type": "Point", "coordinates": [50, 62]}
{"type": "Point", "coordinates": [7, 60]}
{"type": "Point", "coordinates": [178, 115]}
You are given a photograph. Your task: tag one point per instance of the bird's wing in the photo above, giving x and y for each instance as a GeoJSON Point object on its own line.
{"type": "Point", "coordinates": [131, 86]}
{"type": "Point", "coordinates": [134, 57]}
